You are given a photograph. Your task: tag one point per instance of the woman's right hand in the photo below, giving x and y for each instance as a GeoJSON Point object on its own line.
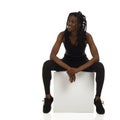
{"type": "Point", "coordinates": [71, 73]}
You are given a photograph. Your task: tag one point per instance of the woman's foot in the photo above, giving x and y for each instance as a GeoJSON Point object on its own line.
{"type": "Point", "coordinates": [47, 104]}
{"type": "Point", "coordinates": [99, 107]}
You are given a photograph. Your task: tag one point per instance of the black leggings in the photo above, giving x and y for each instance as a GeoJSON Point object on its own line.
{"type": "Point", "coordinates": [50, 65]}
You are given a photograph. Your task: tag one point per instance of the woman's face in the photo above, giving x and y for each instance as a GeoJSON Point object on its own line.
{"type": "Point", "coordinates": [72, 24]}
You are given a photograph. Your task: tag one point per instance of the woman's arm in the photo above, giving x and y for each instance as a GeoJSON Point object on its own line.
{"type": "Point", "coordinates": [55, 49]}
{"type": "Point", "coordinates": [94, 53]}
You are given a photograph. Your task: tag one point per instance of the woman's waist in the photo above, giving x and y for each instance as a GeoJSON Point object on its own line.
{"type": "Point", "coordinates": [75, 57]}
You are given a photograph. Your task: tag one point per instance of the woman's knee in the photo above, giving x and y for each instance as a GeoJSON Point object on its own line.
{"type": "Point", "coordinates": [99, 66]}
{"type": "Point", "coordinates": [48, 64]}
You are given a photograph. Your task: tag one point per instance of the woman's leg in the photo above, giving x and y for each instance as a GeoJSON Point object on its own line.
{"type": "Point", "coordinates": [48, 66]}
{"type": "Point", "coordinates": [100, 73]}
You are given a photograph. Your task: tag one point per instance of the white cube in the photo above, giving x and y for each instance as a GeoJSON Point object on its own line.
{"type": "Point", "coordinates": [76, 97]}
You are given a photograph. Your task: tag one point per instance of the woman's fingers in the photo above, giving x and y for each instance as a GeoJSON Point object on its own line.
{"type": "Point", "coordinates": [72, 78]}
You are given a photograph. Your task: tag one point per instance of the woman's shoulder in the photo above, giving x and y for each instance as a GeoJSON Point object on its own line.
{"type": "Point", "coordinates": [88, 34]}
{"type": "Point", "coordinates": [89, 37]}
{"type": "Point", "coordinates": [60, 36]}
{"type": "Point", "coordinates": [61, 33]}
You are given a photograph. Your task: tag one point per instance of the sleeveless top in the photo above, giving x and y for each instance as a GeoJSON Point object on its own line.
{"type": "Point", "coordinates": [74, 52]}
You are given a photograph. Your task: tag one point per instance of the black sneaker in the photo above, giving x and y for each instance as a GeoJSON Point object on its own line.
{"type": "Point", "coordinates": [99, 106]}
{"type": "Point", "coordinates": [47, 104]}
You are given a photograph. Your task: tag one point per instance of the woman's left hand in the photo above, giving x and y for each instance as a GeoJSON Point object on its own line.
{"type": "Point", "coordinates": [71, 73]}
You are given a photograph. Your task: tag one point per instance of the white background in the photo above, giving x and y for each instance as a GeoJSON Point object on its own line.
{"type": "Point", "coordinates": [28, 30]}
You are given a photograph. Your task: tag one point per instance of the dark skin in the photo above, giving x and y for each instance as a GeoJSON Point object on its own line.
{"type": "Point", "coordinates": [73, 26]}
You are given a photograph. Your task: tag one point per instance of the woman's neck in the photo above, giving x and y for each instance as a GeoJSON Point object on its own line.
{"type": "Point", "coordinates": [73, 34]}
{"type": "Point", "coordinates": [73, 38]}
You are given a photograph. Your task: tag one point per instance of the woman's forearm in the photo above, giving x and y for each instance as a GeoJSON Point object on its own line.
{"type": "Point", "coordinates": [60, 62]}
{"type": "Point", "coordinates": [87, 64]}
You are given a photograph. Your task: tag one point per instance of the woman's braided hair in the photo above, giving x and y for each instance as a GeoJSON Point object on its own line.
{"type": "Point", "coordinates": [83, 25]}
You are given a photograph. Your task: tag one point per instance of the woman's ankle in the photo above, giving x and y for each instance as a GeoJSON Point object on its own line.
{"type": "Point", "coordinates": [48, 96]}
{"type": "Point", "coordinates": [97, 98]}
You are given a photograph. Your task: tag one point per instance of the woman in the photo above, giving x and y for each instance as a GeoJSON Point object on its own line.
{"type": "Point", "coordinates": [75, 38]}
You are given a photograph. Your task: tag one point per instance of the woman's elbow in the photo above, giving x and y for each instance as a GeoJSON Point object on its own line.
{"type": "Point", "coordinates": [52, 57]}
{"type": "Point", "coordinates": [96, 59]}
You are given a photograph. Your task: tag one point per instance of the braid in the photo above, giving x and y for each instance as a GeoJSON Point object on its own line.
{"type": "Point", "coordinates": [83, 25]}
{"type": "Point", "coordinates": [82, 30]}
{"type": "Point", "coordinates": [82, 21]}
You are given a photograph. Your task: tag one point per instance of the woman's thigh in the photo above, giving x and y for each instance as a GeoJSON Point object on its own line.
{"type": "Point", "coordinates": [51, 65]}
{"type": "Point", "coordinates": [95, 67]}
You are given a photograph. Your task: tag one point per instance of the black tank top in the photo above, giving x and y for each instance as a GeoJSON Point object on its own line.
{"type": "Point", "coordinates": [76, 51]}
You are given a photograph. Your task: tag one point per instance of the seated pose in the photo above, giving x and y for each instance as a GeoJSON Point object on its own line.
{"type": "Point", "coordinates": [75, 38]}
